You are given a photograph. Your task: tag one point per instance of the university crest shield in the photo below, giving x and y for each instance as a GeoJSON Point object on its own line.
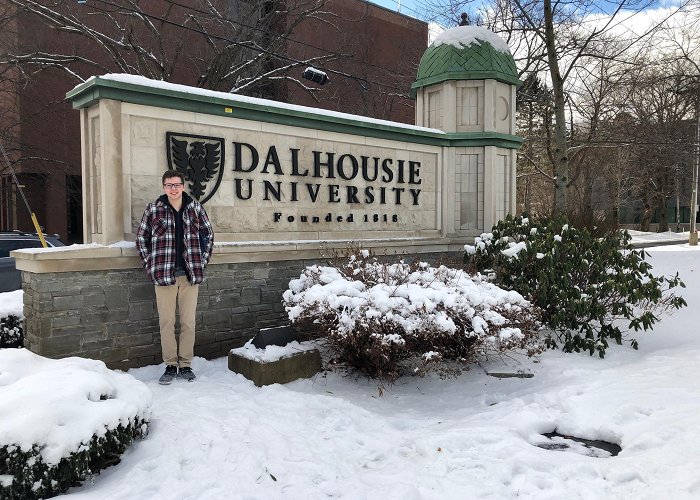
{"type": "Point", "coordinates": [200, 159]}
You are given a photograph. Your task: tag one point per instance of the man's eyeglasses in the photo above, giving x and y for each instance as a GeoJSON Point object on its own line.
{"type": "Point", "coordinates": [173, 186]}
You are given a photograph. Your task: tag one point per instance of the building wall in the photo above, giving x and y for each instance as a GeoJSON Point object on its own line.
{"type": "Point", "coordinates": [380, 47]}
{"type": "Point", "coordinates": [50, 130]}
{"type": "Point", "coordinates": [10, 124]}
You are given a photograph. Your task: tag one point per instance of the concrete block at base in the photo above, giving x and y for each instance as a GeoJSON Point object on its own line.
{"type": "Point", "coordinates": [507, 368]}
{"type": "Point", "coordinates": [303, 364]}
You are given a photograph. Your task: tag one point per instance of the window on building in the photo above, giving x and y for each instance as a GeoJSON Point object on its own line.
{"type": "Point", "coordinates": [74, 209]}
{"type": "Point", "coordinates": [7, 204]}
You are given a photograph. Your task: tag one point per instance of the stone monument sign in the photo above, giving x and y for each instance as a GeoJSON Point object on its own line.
{"type": "Point", "coordinates": [282, 184]}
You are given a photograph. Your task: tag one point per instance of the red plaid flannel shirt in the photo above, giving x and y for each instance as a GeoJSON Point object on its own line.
{"type": "Point", "coordinates": [155, 240]}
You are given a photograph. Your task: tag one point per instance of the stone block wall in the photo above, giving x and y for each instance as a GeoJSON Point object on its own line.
{"type": "Point", "coordinates": [111, 315]}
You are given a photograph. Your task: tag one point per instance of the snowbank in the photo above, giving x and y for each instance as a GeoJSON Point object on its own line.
{"type": "Point", "coordinates": [12, 303]}
{"type": "Point", "coordinates": [61, 404]}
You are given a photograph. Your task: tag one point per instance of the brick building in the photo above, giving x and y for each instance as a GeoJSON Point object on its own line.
{"type": "Point", "coordinates": [376, 48]}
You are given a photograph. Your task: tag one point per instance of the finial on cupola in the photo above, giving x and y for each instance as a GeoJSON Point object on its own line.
{"type": "Point", "coordinates": [465, 19]}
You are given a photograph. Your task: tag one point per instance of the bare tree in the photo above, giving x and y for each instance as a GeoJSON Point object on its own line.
{"type": "Point", "coordinates": [685, 48]}
{"type": "Point", "coordinates": [651, 122]}
{"type": "Point", "coordinates": [571, 39]}
{"type": "Point", "coordinates": [564, 37]}
{"type": "Point", "coordinates": [533, 120]}
{"type": "Point", "coordinates": [236, 46]}
{"type": "Point", "coordinates": [242, 50]}
{"type": "Point", "coordinates": [251, 47]}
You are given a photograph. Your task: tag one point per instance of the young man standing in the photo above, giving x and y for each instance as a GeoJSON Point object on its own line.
{"type": "Point", "coordinates": [175, 240]}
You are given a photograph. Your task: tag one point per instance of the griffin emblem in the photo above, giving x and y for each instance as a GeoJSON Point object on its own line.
{"type": "Point", "coordinates": [199, 159]}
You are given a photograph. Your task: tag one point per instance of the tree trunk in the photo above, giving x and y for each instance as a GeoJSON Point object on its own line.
{"type": "Point", "coordinates": [587, 195]}
{"type": "Point", "coordinates": [560, 143]}
{"type": "Point", "coordinates": [646, 217]}
{"type": "Point", "coordinates": [663, 215]}
{"type": "Point", "coordinates": [678, 207]}
{"type": "Point", "coordinates": [528, 203]}
{"type": "Point", "coordinates": [530, 154]}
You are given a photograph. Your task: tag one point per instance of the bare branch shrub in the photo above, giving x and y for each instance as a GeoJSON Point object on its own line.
{"type": "Point", "coordinates": [376, 315]}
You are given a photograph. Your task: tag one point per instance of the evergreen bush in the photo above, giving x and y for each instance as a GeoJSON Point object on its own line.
{"type": "Point", "coordinates": [375, 316]}
{"type": "Point", "coordinates": [582, 284]}
{"type": "Point", "coordinates": [25, 476]}
{"type": "Point", "coordinates": [11, 332]}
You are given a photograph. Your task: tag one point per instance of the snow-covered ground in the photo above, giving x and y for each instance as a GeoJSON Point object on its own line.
{"type": "Point", "coordinates": [471, 437]}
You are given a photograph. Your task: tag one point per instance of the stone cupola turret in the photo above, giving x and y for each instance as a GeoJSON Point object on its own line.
{"type": "Point", "coordinates": [465, 87]}
{"type": "Point", "coordinates": [466, 82]}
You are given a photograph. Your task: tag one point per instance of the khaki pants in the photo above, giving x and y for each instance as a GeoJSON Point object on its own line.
{"type": "Point", "coordinates": [184, 295]}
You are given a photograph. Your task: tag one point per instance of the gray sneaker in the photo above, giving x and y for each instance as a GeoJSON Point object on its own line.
{"type": "Point", "coordinates": [169, 375]}
{"type": "Point", "coordinates": [187, 374]}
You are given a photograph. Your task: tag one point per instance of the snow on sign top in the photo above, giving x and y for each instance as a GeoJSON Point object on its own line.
{"type": "Point", "coordinates": [159, 84]}
{"type": "Point", "coordinates": [464, 36]}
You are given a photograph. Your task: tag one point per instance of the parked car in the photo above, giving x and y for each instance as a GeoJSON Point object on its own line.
{"type": "Point", "coordinates": [10, 277]}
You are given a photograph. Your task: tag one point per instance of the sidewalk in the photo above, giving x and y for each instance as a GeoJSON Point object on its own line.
{"type": "Point", "coordinates": [645, 240]}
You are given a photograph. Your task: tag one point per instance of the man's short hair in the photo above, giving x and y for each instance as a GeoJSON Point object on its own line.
{"type": "Point", "coordinates": [173, 173]}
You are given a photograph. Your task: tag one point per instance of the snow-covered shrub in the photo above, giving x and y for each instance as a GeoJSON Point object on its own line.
{"type": "Point", "coordinates": [375, 315]}
{"type": "Point", "coordinates": [62, 421]}
{"type": "Point", "coordinates": [582, 284]}
{"type": "Point", "coordinates": [11, 332]}
{"type": "Point", "coordinates": [24, 475]}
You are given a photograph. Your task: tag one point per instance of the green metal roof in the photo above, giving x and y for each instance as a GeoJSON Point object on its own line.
{"type": "Point", "coordinates": [476, 61]}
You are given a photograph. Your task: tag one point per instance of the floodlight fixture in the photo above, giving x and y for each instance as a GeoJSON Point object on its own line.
{"type": "Point", "coordinates": [315, 75]}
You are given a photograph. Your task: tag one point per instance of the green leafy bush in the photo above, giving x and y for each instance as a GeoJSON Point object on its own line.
{"type": "Point", "coordinates": [582, 284]}
{"type": "Point", "coordinates": [11, 332]}
{"type": "Point", "coordinates": [25, 475]}
{"type": "Point", "coordinates": [375, 316]}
